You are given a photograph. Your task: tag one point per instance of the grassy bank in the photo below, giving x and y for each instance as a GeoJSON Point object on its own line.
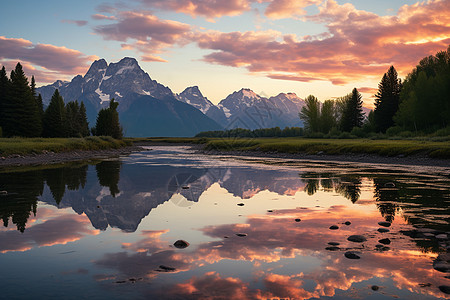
{"type": "Point", "coordinates": [334, 146]}
{"type": "Point", "coordinates": [383, 147]}
{"type": "Point", "coordinates": [24, 146]}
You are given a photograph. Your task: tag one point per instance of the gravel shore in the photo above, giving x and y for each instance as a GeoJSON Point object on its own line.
{"type": "Point", "coordinates": [49, 157]}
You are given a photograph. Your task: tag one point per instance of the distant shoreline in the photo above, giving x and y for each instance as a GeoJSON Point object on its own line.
{"type": "Point", "coordinates": [49, 158]}
{"type": "Point", "coordinates": [413, 160]}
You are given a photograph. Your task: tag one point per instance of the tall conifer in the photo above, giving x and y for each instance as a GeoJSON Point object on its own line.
{"type": "Point", "coordinates": [21, 113]}
{"type": "Point", "coordinates": [352, 115]}
{"type": "Point", "coordinates": [387, 100]}
{"type": "Point", "coordinates": [54, 117]}
{"type": "Point", "coordinates": [4, 94]}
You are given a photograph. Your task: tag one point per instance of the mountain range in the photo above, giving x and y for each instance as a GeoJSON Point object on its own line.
{"type": "Point", "coordinates": [148, 108]}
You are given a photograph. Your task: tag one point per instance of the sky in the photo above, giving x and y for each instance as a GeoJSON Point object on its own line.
{"type": "Point", "coordinates": [324, 48]}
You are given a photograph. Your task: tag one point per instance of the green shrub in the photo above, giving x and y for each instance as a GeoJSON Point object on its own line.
{"type": "Point", "coordinates": [346, 135]}
{"type": "Point", "coordinates": [358, 131]}
{"type": "Point", "coordinates": [393, 131]}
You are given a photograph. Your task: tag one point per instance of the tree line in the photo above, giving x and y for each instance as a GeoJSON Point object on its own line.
{"type": "Point", "coordinates": [22, 112]}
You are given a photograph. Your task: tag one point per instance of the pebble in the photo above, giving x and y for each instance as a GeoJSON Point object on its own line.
{"type": "Point", "coordinates": [351, 255]}
{"type": "Point", "coordinates": [347, 223]}
{"type": "Point", "coordinates": [166, 269]}
{"type": "Point", "coordinates": [357, 238]}
{"type": "Point", "coordinates": [385, 241]}
{"type": "Point", "coordinates": [445, 289]}
{"type": "Point", "coordinates": [241, 234]}
{"type": "Point", "coordinates": [240, 204]}
{"type": "Point", "coordinates": [334, 227]}
{"type": "Point", "coordinates": [332, 248]}
{"type": "Point", "coordinates": [384, 224]}
{"type": "Point", "coordinates": [181, 244]}
{"type": "Point", "coordinates": [297, 220]}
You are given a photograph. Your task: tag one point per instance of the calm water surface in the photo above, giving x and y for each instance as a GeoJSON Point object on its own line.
{"type": "Point", "coordinates": [257, 229]}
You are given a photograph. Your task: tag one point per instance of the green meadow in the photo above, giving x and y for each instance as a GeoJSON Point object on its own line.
{"type": "Point", "coordinates": [384, 147]}
{"type": "Point", "coordinates": [26, 146]}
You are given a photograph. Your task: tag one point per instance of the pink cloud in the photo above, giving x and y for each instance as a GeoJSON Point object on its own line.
{"type": "Point", "coordinates": [205, 8]}
{"type": "Point", "coordinates": [148, 33]}
{"type": "Point", "coordinates": [278, 9]}
{"type": "Point", "coordinates": [43, 59]}
{"type": "Point", "coordinates": [359, 44]}
{"type": "Point", "coordinates": [57, 230]}
{"type": "Point", "coordinates": [76, 22]}
{"type": "Point", "coordinates": [103, 17]}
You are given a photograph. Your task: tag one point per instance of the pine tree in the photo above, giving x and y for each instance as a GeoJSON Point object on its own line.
{"type": "Point", "coordinates": [71, 120]}
{"type": "Point", "coordinates": [54, 117]}
{"type": "Point", "coordinates": [108, 122]}
{"type": "Point", "coordinates": [21, 112]}
{"type": "Point", "coordinates": [4, 95]}
{"type": "Point", "coordinates": [82, 119]}
{"type": "Point", "coordinates": [387, 100]}
{"type": "Point", "coordinates": [352, 115]}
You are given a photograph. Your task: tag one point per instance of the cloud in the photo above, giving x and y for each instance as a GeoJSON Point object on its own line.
{"type": "Point", "coordinates": [358, 44]}
{"type": "Point", "coordinates": [148, 33]}
{"type": "Point", "coordinates": [205, 8]}
{"type": "Point", "coordinates": [103, 17]}
{"type": "Point", "coordinates": [76, 22]}
{"type": "Point", "coordinates": [44, 60]}
{"type": "Point", "coordinates": [279, 9]}
{"type": "Point", "coordinates": [56, 230]}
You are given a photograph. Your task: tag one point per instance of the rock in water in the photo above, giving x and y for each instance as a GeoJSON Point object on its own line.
{"type": "Point", "coordinates": [351, 255]}
{"type": "Point", "coordinates": [384, 224]}
{"type": "Point", "coordinates": [357, 238]}
{"type": "Point", "coordinates": [445, 289]}
{"type": "Point", "coordinates": [163, 268]}
{"type": "Point", "coordinates": [383, 230]}
{"type": "Point", "coordinates": [333, 243]}
{"type": "Point", "coordinates": [241, 234]}
{"type": "Point", "coordinates": [334, 227]}
{"type": "Point", "coordinates": [297, 220]}
{"type": "Point", "coordinates": [332, 248]}
{"type": "Point", "coordinates": [347, 223]}
{"type": "Point", "coordinates": [181, 244]}
{"type": "Point", "coordinates": [384, 241]}
{"type": "Point", "coordinates": [375, 287]}
{"type": "Point", "coordinates": [240, 204]}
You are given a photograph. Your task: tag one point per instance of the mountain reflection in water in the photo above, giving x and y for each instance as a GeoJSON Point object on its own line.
{"type": "Point", "coordinates": [129, 212]}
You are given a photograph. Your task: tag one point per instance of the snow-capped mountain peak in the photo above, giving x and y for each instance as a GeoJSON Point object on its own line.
{"type": "Point", "coordinates": [194, 97]}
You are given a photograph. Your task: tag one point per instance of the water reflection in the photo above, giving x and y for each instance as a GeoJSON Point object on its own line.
{"type": "Point", "coordinates": [283, 215]}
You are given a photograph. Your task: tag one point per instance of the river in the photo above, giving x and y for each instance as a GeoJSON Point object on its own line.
{"type": "Point", "coordinates": [247, 228]}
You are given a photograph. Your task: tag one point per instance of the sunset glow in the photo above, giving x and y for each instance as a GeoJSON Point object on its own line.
{"type": "Point", "coordinates": [307, 47]}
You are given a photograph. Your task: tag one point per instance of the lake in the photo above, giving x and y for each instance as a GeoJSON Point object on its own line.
{"type": "Point", "coordinates": [247, 228]}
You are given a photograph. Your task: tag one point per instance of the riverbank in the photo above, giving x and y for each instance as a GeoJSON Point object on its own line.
{"type": "Point", "coordinates": [396, 152]}
{"type": "Point", "coordinates": [399, 152]}
{"type": "Point", "coordinates": [50, 157]}
{"type": "Point", "coordinates": [373, 159]}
